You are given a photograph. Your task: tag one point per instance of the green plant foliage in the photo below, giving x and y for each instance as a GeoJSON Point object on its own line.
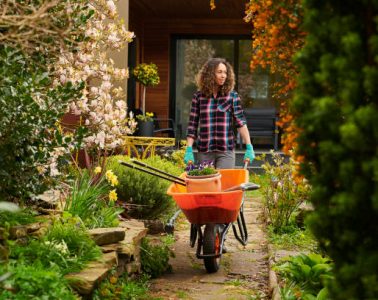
{"type": "Point", "coordinates": [29, 110]}
{"type": "Point", "coordinates": [33, 281]}
{"type": "Point", "coordinates": [21, 217]}
{"type": "Point", "coordinates": [336, 109]}
{"type": "Point", "coordinates": [155, 256]}
{"type": "Point", "coordinates": [144, 195]}
{"type": "Point", "coordinates": [292, 238]}
{"type": "Point", "coordinates": [305, 274]}
{"type": "Point", "coordinates": [89, 200]}
{"type": "Point", "coordinates": [147, 74]}
{"type": "Point", "coordinates": [114, 288]}
{"type": "Point", "coordinates": [66, 246]}
{"type": "Point", "coordinates": [281, 191]}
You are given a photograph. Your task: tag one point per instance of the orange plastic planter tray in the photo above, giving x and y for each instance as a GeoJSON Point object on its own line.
{"type": "Point", "coordinates": [212, 207]}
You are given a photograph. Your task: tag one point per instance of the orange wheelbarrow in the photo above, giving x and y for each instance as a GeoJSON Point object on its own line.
{"type": "Point", "coordinates": [211, 214]}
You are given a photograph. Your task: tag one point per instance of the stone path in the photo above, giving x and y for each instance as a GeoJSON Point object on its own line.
{"type": "Point", "coordinates": [243, 273]}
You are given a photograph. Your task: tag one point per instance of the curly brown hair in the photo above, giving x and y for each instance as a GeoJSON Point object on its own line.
{"type": "Point", "coordinates": [206, 77]}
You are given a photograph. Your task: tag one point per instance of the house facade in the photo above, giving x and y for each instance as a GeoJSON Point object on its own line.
{"type": "Point", "coordinates": [179, 36]}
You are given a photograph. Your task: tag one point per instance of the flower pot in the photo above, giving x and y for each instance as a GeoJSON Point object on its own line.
{"type": "Point", "coordinates": [203, 183]}
{"type": "Point", "coordinates": [145, 128]}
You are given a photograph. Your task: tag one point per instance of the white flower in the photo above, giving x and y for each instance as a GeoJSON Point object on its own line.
{"type": "Point", "coordinates": [110, 4]}
{"type": "Point", "coordinates": [106, 85]}
{"type": "Point", "coordinates": [120, 104]}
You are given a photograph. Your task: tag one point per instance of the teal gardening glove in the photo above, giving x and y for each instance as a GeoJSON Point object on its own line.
{"type": "Point", "coordinates": [249, 153]}
{"type": "Point", "coordinates": [189, 157]}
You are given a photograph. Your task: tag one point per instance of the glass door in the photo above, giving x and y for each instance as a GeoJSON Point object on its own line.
{"type": "Point", "coordinates": [254, 88]}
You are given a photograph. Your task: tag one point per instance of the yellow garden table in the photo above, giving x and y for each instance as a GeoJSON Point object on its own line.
{"type": "Point", "coordinates": [146, 144]}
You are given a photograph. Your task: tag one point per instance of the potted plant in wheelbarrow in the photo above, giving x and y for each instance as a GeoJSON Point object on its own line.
{"type": "Point", "coordinates": [203, 178]}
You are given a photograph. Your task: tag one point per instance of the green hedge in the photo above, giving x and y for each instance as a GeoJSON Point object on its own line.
{"type": "Point", "coordinates": [145, 195]}
{"type": "Point", "coordinates": [336, 105]}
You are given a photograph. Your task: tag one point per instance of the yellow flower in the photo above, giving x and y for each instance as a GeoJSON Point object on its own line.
{"type": "Point", "coordinates": [114, 181]}
{"type": "Point", "coordinates": [109, 174]}
{"type": "Point", "coordinates": [97, 170]}
{"type": "Point", "coordinates": [113, 195]}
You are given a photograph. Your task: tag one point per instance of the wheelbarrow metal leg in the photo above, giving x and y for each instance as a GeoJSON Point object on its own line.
{"type": "Point", "coordinates": [170, 226]}
{"type": "Point", "coordinates": [242, 235]}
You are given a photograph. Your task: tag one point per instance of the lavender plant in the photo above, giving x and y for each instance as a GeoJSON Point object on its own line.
{"type": "Point", "coordinates": [204, 168]}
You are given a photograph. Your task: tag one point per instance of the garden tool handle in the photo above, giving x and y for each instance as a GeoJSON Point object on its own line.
{"type": "Point", "coordinates": [246, 163]}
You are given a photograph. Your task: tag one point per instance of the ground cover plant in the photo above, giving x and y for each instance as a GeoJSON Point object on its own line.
{"type": "Point", "coordinates": [304, 276]}
{"type": "Point", "coordinates": [155, 255]}
{"type": "Point", "coordinates": [66, 246]}
{"type": "Point", "coordinates": [114, 288]}
{"type": "Point", "coordinates": [34, 267]}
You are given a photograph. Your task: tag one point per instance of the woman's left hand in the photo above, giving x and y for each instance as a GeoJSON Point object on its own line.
{"type": "Point", "coordinates": [249, 153]}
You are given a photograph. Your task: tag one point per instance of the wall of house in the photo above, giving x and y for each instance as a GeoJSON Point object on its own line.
{"type": "Point", "coordinates": [154, 46]}
{"type": "Point", "coordinates": [120, 57]}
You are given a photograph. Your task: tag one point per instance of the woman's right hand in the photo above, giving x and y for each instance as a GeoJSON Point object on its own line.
{"type": "Point", "coordinates": [189, 157]}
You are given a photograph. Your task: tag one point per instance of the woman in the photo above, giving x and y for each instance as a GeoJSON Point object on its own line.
{"type": "Point", "coordinates": [215, 108]}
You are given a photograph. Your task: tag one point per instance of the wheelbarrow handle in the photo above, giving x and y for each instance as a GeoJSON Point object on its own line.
{"type": "Point", "coordinates": [151, 173]}
{"type": "Point", "coordinates": [157, 170]}
{"type": "Point", "coordinates": [246, 163]}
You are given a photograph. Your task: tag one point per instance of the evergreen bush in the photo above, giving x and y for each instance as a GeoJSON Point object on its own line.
{"type": "Point", "coordinates": [145, 196]}
{"type": "Point", "coordinates": [29, 110]}
{"type": "Point", "coordinates": [336, 108]}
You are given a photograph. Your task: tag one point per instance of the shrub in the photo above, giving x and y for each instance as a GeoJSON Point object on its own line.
{"type": "Point", "coordinates": [144, 195]}
{"type": "Point", "coordinates": [283, 193]}
{"type": "Point", "coordinates": [336, 104]}
{"type": "Point", "coordinates": [29, 110]}
{"type": "Point", "coordinates": [155, 256]}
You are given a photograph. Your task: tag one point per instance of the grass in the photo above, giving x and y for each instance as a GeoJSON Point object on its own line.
{"type": "Point", "coordinates": [293, 238]}
{"type": "Point", "coordinates": [182, 294]}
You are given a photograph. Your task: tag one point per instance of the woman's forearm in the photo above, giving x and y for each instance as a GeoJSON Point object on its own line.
{"type": "Point", "coordinates": [244, 133]}
{"type": "Point", "coordinates": [189, 141]}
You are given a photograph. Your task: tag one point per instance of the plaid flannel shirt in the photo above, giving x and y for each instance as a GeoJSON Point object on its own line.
{"type": "Point", "coordinates": [214, 117]}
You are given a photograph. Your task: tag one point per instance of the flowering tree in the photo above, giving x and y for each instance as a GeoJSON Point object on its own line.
{"type": "Point", "coordinates": [102, 105]}
{"type": "Point", "coordinates": [277, 37]}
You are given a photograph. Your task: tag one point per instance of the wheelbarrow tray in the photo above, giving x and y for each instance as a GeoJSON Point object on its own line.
{"type": "Point", "coordinates": [212, 207]}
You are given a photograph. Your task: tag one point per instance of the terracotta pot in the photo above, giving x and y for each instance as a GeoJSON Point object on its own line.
{"type": "Point", "coordinates": [203, 183]}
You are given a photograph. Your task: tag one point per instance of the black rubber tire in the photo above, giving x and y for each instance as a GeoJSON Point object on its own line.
{"type": "Point", "coordinates": [211, 245]}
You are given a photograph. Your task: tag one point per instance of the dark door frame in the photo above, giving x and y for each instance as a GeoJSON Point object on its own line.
{"type": "Point", "coordinates": [173, 57]}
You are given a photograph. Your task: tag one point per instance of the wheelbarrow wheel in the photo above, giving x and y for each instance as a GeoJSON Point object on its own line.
{"type": "Point", "coordinates": [211, 245]}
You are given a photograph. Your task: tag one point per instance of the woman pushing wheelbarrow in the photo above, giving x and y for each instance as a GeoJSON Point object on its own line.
{"type": "Point", "coordinates": [215, 110]}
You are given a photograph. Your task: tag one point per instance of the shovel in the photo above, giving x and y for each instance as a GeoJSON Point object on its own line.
{"type": "Point", "coordinates": [247, 186]}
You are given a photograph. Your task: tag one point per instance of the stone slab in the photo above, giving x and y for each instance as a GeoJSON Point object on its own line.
{"type": "Point", "coordinates": [105, 236]}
